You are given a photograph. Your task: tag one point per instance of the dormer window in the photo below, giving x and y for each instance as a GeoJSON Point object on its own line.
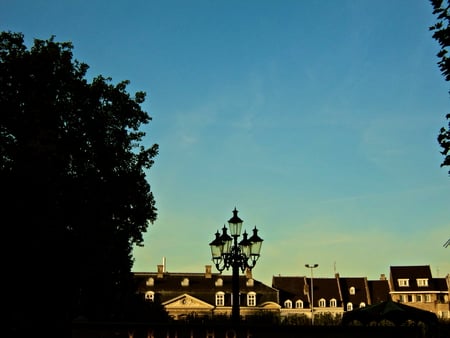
{"type": "Point", "coordinates": [422, 281]}
{"type": "Point", "coordinates": [219, 282]}
{"type": "Point", "coordinates": [220, 298]}
{"type": "Point", "coordinates": [185, 282]}
{"type": "Point", "coordinates": [288, 304]}
{"type": "Point", "coordinates": [322, 302]}
{"type": "Point", "coordinates": [299, 304]}
{"type": "Point", "coordinates": [333, 302]}
{"type": "Point", "coordinates": [403, 282]}
{"type": "Point", "coordinates": [251, 299]}
{"type": "Point", "coordinates": [150, 296]}
{"type": "Point", "coordinates": [150, 282]}
{"type": "Point", "coordinates": [352, 290]}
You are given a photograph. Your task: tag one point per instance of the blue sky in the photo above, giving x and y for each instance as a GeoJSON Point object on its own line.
{"type": "Point", "coordinates": [317, 120]}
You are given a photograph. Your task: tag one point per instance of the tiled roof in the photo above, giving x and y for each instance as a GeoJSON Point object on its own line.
{"type": "Point", "coordinates": [360, 286]}
{"type": "Point", "coordinates": [412, 274]}
{"type": "Point", "coordinates": [379, 291]}
{"type": "Point", "coordinates": [439, 284]}
{"type": "Point", "coordinates": [291, 287]}
{"type": "Point", "coordinates": [326, 288]}
{"type": "Point", "coordinates": [172, 285]}
{"type": "Point", "coordinates": [299, 287]}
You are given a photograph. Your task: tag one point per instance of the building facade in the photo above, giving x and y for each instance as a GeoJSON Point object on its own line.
{"type": "Point", "coordinates": [208, 294]}
{"type": "Point", "coordinates": [415, 286]}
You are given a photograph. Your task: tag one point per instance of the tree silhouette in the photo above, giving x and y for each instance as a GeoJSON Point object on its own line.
{"type": "Point", "coordinates": [73, 185]}
{"type": "Point", "coordinates": [441, 33]}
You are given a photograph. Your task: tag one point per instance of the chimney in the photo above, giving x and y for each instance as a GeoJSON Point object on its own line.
{"type": "Point", "coordinates": [208, 273]}
{"type": "Point", "coordinates": [248, 273]}
{"type": "Point", "coordinates": [382, 276]}
{"type": "Point", "coordinates": [160, 273]}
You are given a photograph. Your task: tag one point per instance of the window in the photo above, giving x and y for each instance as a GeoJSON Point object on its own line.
{"type": "Point", "coordinates": [352, 290]}
{"type": "Point", "coordinates": [322, 302]}
{"type": "Point", "coordinates": [349, 306]}
{"type": "Point", "coordinates": [410, 298]}
{"type": "Point", "coordinates": [419, 298]}
{"type": "Point", "coordinates": [251, 299]}
{"type": "Point", "coordinates": [428, 298]}
{"type": "Point", "coordinates": [362, 304]}
{"type": "Point", "coordinates": [333, 302]}
{"type": "Point", "coordinates": [288, 304]}
{"type": "Point", "coordinates": [220, 298]}
{"type": "Point", "coordinates": [150, 296]}
{"type": "Point", "coordinates": [403, 282]}
{"type": "Point", "coordinates": [299, 304]}
{"type": "Point", "coordinates": [403, 299]}
{"type": "Point", "coordinates": [422, 282]}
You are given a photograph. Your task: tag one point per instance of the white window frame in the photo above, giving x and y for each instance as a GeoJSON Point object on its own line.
{"type": "Point", "coordinates": [349, 306]}
{"type": "Point", "coordinates": [322, 302]}
{"type": "Point", "coordinates": [352, 290]}
{"type": "Point", "coordinates": [288, 304]}
{"type": "Point", "coordinates": [362, 304]}
{"type": "Point", "coordinates": [333, 302]}
{"type": "Point", "coordinates": [427, 298]}
{"type": "Point", "coordinates": [150, 296]}
{"type": "Point", "coordinates": [251, 298]}
{"type": "Point", "coordinates": [403, 282]}
{"type": "Point", "coordinates": [422, 282]}
{"type": "Point", "coordinates": [419, 298]}
{"type": "Point", "coordinates": [299, 304]}
{"type": "Point", "coordinates": [220, 298]}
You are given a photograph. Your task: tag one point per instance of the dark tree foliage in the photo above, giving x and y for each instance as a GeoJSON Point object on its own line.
{"type": "Point", "coordinates": [441, 33]}
{"type": "Point", "coordinates": [75, 199]}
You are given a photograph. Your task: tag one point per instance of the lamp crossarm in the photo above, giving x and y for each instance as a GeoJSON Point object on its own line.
{"type": "Point", "coordinates": [236, 256]}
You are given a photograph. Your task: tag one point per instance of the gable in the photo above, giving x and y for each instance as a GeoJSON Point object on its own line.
{"type": "Point", "coordinates": [186, 301]}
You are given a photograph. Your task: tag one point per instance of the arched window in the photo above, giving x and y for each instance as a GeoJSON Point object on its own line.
{"type": "Point", "coordinates": [322, 302]}
{"type": "Point", "coordinates": [150, 296]}
{"type": "Point", "coordinates": [352, 290]}
{"type": "Point", "coordinates": [362, 304]}
{"type": "Point", "coordinates": [349, 306]}
{"type": "Point", "coordinates": [299, 304]}
{"type": "Point", "coordinates": [288, 304]}
{"type": "Point", "coordinates": [251, 299]}
{"type": "Point", "coordinates": [220, 298]}
{"type": "Point", "coordinates": [333, 302]}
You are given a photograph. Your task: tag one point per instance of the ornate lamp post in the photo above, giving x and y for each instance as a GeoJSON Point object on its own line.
{"type": "Point", "coordinates": [312, 266]}
{"type": "Point", "coordinates": [226, 252]}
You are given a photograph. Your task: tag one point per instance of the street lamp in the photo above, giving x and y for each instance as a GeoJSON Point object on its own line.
{"type": "Point", "coordinates": [226, 252]}
{"type": "Point", "coordinates": [312, 266]}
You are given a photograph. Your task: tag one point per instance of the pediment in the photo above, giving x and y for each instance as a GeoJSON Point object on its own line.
{"type": "Point", "coordinates": [270, 305]}
{"type": "Point", "coordinates": [186, 301]}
